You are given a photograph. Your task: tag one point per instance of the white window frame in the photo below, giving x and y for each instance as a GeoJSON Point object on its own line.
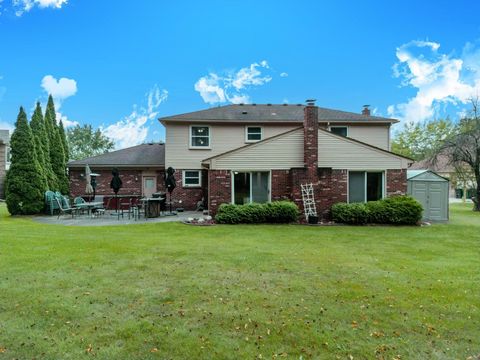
{"type": "Point", "coordinates": [192, 185]}
{"type": "Point", "coordinates": [190, 142]}
{"type": "Point", "coordinates": [246, 133]}
{"type": "Point", "coordinates": [338, 126]}
{"type": "Point", "coordinates": [384, 182]}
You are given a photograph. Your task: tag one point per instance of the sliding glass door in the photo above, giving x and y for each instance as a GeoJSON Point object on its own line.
{"type": "Point", "coordinates": [365, 186]}
{"type": "Point", "coordinates": [251, 187]}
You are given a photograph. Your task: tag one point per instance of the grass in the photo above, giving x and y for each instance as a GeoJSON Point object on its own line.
{"type": "Point", "coordinates": [173, 291]}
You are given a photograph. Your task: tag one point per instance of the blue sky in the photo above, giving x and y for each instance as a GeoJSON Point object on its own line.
{"type": "Point", "coordinates": [120, 65]}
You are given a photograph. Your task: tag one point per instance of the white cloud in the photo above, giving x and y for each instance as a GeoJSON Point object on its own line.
{"type": "Point", "coordinates": [283, 74]}
{"type": "Point", "coordinates": [6, 126]}
{"type": "Point", "coordinates": [439, 79]}
{"type": "Point", "coordinates": [59, 89]}
{"type": "Point", "coordinates": [214, 88]}
{"type": "Point", "coordinates": [66, 121]}
{"type": "Point", "coordinates": [23, 6]}
{"type": "Point", "coordinates": [133, 129]}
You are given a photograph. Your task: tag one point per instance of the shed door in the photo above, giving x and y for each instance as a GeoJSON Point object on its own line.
{"type": "Point", "coordinates": [432, 196]}
{"type": "Point", "coordinates": [420, 191]}
{"type": "Point", "coordinates": [436, 201]}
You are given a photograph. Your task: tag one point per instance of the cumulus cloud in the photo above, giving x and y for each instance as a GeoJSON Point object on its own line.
{"type": "Point", "coordinates": [231, 87]}
{"type": "Point", "coordinates": [283, 74]}
{"type": "Point", "coordinates": [133, 129]}
{"type": "Point", "coordinates": [439, 79]}
{"type": "Point", "coordinates": [65, 120]}
{"type": "Point", "coordinates": [23, 6]}
{"type": "Point", "coordinates": [59, 89]}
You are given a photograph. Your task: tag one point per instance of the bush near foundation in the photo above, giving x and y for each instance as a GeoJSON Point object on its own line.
{"type": "Point", "coordinates": [397, 210]}
{"type": "Point", "coordinates": [279, 212]}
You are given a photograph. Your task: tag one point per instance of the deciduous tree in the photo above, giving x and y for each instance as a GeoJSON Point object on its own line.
{"type": "Point", "coordinates": [84, 141]}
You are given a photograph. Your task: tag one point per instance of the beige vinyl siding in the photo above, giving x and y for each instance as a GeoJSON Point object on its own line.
{"type": "Point", "coordinates": [376, 135]}
{"type": "Point", "coordinates": [223, 138]}
{"type": "Point", "coordinates": [283, 152]}
{"type": "Point", "coordinates": [341, 153]}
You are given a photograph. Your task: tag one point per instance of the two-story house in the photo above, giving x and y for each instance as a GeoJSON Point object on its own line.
{"type": "Point", "coordinates": [257, 153]}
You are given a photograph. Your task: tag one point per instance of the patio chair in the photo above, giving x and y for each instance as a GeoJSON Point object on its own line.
{"type": "Point", "coordinates": [50, 203]}
{"type": "Point", "coordinates": [65, 209]}
{"type": "Point", "coordinates": [79, 201]}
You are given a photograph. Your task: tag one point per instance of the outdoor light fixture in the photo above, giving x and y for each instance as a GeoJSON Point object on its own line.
{"type": "Point", "coordinates": [136, 178]}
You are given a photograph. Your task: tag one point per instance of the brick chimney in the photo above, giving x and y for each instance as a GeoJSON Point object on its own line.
{"type": "Point", "coordinates": [310, 139]}
{"type": "Point", "coordinates": [366, 110]}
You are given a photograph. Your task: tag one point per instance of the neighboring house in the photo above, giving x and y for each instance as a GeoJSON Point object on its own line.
{"type": "Point", "coordinates": [141, 168]}
{"type": "Point", "coordinates": [258, 153]}
{"type": "Point", "coordinates": [4, 159]}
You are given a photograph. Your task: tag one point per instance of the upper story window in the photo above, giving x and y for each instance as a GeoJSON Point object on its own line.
{"type": "Point", "coordinates": [200, 137]}
{"type": "Point", "coordinates": [253, 133]}
{"type": "Point", "coordinates": [339, 130]}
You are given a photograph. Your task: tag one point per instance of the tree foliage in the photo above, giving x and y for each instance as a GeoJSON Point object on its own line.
{"type": "Point", "coordinates": [422, 140]}
{"type": "Point", "coordinates": [24, 183]}
{"type": "Point", "coordinates": [42, 148]}
{"type": "Point", "coordinates": [84, 141]}
{"type": "Point", "coordinates": [57, 156]}
{"type": "Point", "coordinates": [63, 138]}
{"type": "Point", "coordinates": [463, 149]}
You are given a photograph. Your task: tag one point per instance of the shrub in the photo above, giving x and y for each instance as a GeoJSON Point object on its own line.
{"type": "Point", "coordinates": [355, 213]}
{"type": "Point", "coordinates": [403, 210]}
{"type": "Point", "coordinates": [275, 212]}
{"type": "Point", "coordinates": [398, 210]}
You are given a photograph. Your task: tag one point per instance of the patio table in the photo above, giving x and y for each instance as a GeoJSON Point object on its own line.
{"type": "Point", "coordinates": [90, 205]}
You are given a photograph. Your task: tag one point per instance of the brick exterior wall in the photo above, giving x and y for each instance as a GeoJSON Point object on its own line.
{"type": "Point", "coordinates": [131, 181]}
{"type": "Point", "coordinates": [3, 161]}
{"type": "Point", "coordinates": [396, 182]}
{"type": "Point", "coordinates": [219, 189]}
{"type": "Point", "coordinates": [188, 197]}
{"type": "Point", "coordinates": [281, 185]}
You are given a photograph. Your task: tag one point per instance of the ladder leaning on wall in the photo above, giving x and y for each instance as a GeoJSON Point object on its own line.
{"type": "Point", "coordinates": [308, 200]}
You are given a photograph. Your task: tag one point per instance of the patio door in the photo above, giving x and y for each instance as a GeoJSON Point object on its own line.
{"type": "Point", "coordinates": [149, 185]}
{"type": "Point", "coordinates": [251, 187]}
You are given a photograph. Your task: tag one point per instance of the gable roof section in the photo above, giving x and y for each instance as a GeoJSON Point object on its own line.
{"type": "Point", "coordinates": [144, 155]}
{"type": "Point", "coordinates": [274, 113]}
{"type": "Point", "coordinates": [285, 151]}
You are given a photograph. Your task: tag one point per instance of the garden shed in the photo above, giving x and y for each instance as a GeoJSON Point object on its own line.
{"type": "Point", "coordinates": [431, 190]}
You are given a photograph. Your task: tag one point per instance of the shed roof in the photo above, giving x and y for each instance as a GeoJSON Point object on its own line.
{"type": "Point", "coordinates": [424, 175]}
{"type": "Point", "coordinates": [144, 155]}
{"type": "Point", "coordinates": [275, 113]}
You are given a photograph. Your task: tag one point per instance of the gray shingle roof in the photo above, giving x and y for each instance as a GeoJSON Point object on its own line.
{"type": "Point", "coordinates": [270, 113]}
{"type": "Point", "coordinates": [152, 154]}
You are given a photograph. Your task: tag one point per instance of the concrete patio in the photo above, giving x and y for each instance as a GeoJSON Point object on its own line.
{"type": "Point", "coordinates": [111, 219]}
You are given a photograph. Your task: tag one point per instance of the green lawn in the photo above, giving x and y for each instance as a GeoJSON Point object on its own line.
{"type": "Point", "coordinates": [173, 291]}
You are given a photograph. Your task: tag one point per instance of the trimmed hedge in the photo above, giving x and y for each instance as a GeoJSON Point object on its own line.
{"type": "Point", "coordinates": [275, 212]}
{"type": "Point", "coordinates": [398, 210]}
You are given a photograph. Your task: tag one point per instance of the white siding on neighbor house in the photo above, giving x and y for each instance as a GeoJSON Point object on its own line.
{"type": "Point", "coordinates": [283, 152]}
{"type": "Point", "coordinates": [376, 135]}
{"type": "Point", "coordinates": [340, 153]}
{"type": "Point", "coordinates": [223, 138]}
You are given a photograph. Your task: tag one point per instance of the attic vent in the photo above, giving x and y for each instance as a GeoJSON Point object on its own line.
{"type": "Point", "coordinates": [269, 104]}
{"type": "Point", "coordinates": [241, 104]}
{"type": "Point", "coordinates": [254, 104]}
{"type": "Point", "coordinates": [299, 104]}
{"type": "Point", "coordinates": [285, 104]}
{"type": "Point", "coordinates": [244, 112]}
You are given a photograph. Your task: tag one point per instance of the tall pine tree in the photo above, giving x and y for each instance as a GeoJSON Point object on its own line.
{"type": "Point", "coordinates": [24, 183]}
{"type": "Point", "coordinates": [57, 156]}
{"type": "Point", "coordinates": [63, 137]}
{"type": "Point", "coordinates": [41, 146]}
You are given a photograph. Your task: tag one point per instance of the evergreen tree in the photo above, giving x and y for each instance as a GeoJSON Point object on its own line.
{"type": "Point", "coordinates": [63, 137]}
{"type": "Point", "coordinates": [57, 156]}
{"type": "Point", "coordinates": [24, 183]}
{"type": "Point", "coordinates": [41, 147]}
